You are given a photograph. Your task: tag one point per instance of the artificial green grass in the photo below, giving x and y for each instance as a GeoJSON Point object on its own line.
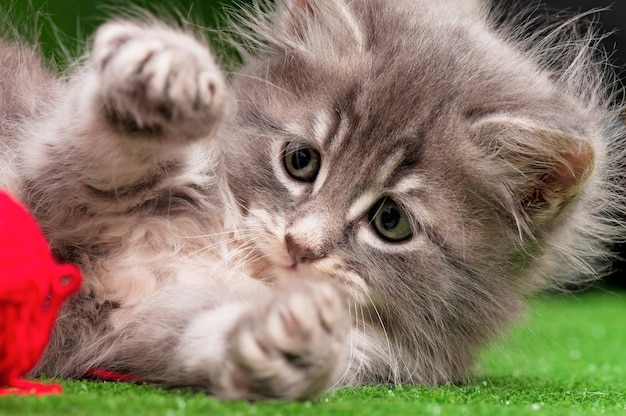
{"type": "Point", "coordinates": [567, 358]}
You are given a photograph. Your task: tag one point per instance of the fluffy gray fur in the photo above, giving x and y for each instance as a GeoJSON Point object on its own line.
{"type": "Point", "coordinates": [208, 264]}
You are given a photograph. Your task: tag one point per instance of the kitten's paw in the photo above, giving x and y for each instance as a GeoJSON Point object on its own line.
{"type": "Point", "coordinates": [159, 81]}
{"type": "Point", "coordinates": [290, 350]}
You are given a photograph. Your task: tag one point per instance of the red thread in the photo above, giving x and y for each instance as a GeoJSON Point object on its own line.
{"type": "Point", "coordinates": [107, 375]}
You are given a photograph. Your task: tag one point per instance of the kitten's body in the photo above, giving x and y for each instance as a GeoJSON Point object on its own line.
{"type": "Point", "coordinates": [211, 262]}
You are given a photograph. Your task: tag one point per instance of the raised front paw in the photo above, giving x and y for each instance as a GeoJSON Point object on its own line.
{"type": "Point", "coordinates": [292, 349]}
{"type": "Point", "coordinates": [159, 81]}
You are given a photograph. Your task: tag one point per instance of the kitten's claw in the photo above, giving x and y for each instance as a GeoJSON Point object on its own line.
{"type": "Point", "coordinates": [160, 81]}
{"type": "Point", "coordinates": [292, 350]}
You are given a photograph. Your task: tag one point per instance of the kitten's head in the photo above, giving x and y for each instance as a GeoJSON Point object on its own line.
{"type": "Point", "coordinates": [404, 150]}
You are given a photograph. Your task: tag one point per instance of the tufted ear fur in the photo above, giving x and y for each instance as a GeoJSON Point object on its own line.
{"type": "Point", "coordinates": [540, 170]}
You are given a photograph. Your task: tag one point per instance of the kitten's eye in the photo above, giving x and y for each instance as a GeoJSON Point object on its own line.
{"type": "Point", "coordinates": [390, 222]}
{"type": "Point", "coordinates": [301, 162]}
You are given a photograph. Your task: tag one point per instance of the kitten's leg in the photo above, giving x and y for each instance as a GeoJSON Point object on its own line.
{"type": "Point", "coordinates": [252, 344]}
{"type": "Point", "coordinates": [155, 81]}
{"type": "Point", "coordinates": [124, 124]}
{"type": "Point", "coordinates": [291, 347]}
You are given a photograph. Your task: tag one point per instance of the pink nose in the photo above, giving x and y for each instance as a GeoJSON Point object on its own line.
{"type": "Point", "coordinates": [297, 252]}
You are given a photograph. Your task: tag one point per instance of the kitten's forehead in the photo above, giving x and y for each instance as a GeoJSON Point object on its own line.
{"type": "Point", "coordinates": [383, 115]}
{"type": "Point", "coordinates": [367, 147]}
{"type": "Point", "coordinates": [409, 73]}
{"type": "Point", "coordinates": [362, 167]}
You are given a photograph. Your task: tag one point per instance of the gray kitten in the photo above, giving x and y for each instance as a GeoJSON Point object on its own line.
{"type": "Point", "coordinates": [368, 201]}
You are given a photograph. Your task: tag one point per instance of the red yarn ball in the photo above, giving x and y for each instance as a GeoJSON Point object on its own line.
{"type": "Point", "coordinates": [32, 288]}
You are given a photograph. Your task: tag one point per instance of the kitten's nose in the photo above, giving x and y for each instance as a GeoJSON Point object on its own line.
{"type": "Point", "coordinates": [299, 252]}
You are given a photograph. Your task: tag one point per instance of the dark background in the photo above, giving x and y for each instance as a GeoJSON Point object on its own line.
{"type": "Point", "coordinates": [74, 20]}
{"type": "Point", "coordinates": [612, 21]}
{"type": "Point", "coordinates": [61, 26]}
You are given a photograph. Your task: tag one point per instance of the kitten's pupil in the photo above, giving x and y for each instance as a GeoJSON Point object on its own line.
{"type": "Point", "coordinates": [301, 159]}
{"type": "Point", "coordinates": [390, 222]}
{"type": "Point", "coordinates": [301, 162]}
{"type": "Point", "coordinates": [389, 218]}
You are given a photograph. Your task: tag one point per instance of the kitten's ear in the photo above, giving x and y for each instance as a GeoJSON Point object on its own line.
{"type": "Point", "coordinates": [543, 168]}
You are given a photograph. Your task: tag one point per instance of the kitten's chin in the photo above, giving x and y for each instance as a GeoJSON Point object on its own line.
{"type": "Point", "coordinates": [300, 271]}
{"type": "Point", "coordinates": [281, 272]}
{"type": "Point", "coordinates": [272, 270]}
{"type": "Point", "coordinates": [276, 272]}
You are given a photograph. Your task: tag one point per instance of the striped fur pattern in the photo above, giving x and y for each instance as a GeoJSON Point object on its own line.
{"type": "Point", "coordinates": [368, 200]}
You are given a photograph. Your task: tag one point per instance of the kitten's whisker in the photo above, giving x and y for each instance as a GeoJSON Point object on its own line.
{"type": "Point", "coordinates": [228, 259]}
{"type": "Point", "coordinates": [253, 254]}
{"type": "Point", "coordinates": [391, 354]}
{"type": "Point", "coordinates": [242, 206]}
{"type": "Point", "coordinates": [353, 327]}
{"type": "Point", "coordinates": [363, 335]}
{"type": "Point", "coordinates": [351, 369]}
{"type": "Point", "coordinates": [234, 232]}
{"type": "Point", "coordinates": [265, 81]}
{"type": "Point", "coordinates": [341, 380]}
{"type": "Point", "coordinates": [380, 207]}
{"type": "Point", "coordinates": [359, 321]}
{"type": "Point", "coordinates": [210, 247]}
